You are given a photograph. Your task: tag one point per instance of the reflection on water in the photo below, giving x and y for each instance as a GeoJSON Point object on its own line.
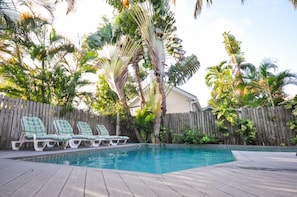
{"type": "Point", "coordinates": [151, 159]}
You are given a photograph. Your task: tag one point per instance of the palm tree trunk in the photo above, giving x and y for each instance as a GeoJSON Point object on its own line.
{"type": "Point", "coordinates": [135, 64]}
{"type": "Point", "coordinates": [159, 73]}
{"type": "Point", "coordinates": [123, 101]}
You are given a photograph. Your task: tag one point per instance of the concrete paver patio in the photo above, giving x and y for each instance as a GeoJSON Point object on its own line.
{"type": "Point", "coordinates": [253, 174]}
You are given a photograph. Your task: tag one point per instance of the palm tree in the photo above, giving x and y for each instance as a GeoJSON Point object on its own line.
{"type": "Point", "coordinates": [237, 60]}
{"type": "Point", "coordinates": [267, 86]}
{"type": "Point", "coordinates": [223, 98]}
{"type": "Point", "coordinates": [128, 24]}
{"type": "Point", "coordinates": [114, 63]}
{"type": "Point", "coordinates": [40, 65]}
{"type": "Point", "coordinates": [219, 79]}
{"type": "Point", "coordinates": [153, 39]}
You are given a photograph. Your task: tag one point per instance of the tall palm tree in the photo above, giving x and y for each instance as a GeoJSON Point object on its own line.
{"type": "Point", "coordinates": [237, 60]}
{"type": "Point", "coordinates": [153, 39]}
{"type": "Point", "coordinates": [114, 63]}
{"type": "Point", "coordinates": [161, 19]}
{"type": "Point", "coordinates": [223, 98]}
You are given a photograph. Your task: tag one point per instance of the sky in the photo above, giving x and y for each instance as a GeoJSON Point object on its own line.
{"type": "Point", "coordinates": [265, 28]}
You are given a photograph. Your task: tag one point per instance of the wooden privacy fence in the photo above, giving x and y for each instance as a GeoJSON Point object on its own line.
{"type": "Point", "coordinates": [271, 125]}
{"type": "Point", "coordinates": [11, 111]}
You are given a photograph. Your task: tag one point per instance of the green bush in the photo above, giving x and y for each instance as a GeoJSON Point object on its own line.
{"type": "Point", "coordinates": [193, 137]}
{"type": "Point", "coordinates": [292, 105]}
{"type": "Point", "coordinates": [247, 131]}
{"type": "Point", "coordinates": [177, 138]}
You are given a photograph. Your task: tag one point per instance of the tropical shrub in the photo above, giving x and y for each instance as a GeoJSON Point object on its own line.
{"type": "Point", "coordinates": [292, 105]}
{"type": "Point", "coordinates": [144, 121]}
{"type": "Point", "coordinates": [193, 137]}
{"type": "Point", "coordinates": [247, 131]}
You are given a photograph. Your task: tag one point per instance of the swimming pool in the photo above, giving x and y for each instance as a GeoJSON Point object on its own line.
{"type": "Point", "coordinates": [148, 158]}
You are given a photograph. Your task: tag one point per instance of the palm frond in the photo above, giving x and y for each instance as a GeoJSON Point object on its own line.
{"type": "Point", "coordinates": [152, 36]}
{"type": "Point", "coordinates": [179, 73]}
{"type": "Point", "coordinates": [114, 62]}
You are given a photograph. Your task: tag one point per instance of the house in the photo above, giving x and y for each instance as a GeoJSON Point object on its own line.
{"type": "Point", "coordinates": [177, 101]}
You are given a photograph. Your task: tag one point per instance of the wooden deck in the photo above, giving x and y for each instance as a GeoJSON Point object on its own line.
{"type": "Point", "coordinates": [253, 174]}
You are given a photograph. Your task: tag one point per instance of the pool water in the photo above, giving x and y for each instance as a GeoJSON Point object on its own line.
{"type": "Point", "coordinates": [149, 159]}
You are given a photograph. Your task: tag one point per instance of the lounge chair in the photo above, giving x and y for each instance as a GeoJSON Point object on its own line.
{"type": "Point", "coordinates": [85, 130]}
{"type": "Point", "coordinates": [34, 131]}
{"type": "Point", "coordinates": [102, 130]}
{"type": "Point", "coordinates": [63, 127]}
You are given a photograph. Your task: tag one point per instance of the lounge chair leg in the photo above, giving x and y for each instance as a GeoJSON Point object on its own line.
{"type": "Point", "coordinates": [37, 147]}
{"type": "Point", "coordinates": [50, 144]}
{"type": "Point", "coordinates": [113, 142]}
{"type": "Point", "coordinates": [74, 143]}
{"type": "Point", "coordinates": [66, 144]}
{"type": "Point", "coordinates": [96, 143]}
{"type": "Point", "coordinates": [15, 145]}
{"type": "Point", "coordinates": [124, 142]}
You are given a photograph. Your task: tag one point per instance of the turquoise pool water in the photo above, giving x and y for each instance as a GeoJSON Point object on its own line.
{"type": "Point", "coordinates": [149, 159]}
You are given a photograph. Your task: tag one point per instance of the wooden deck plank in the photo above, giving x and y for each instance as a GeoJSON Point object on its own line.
{"type": "Point", "coordinates": [115, 185]}
{"type": "Point", "coordinates": [36, 182]}
{"type": "Point", "coordinates": [75, 184]}
{"type": "Point", "coordinates": [55, 183]}
{"type": "Point", "coordinates": [11, 170]}
{"type": "Point", "coordinates": [157, 185]}
{"type": "Point", "coordinates": [95, 184]}
{"type": "Point", "coordinates": [29, 173]}
{"type": "Point", "coordinates": [137, 186]}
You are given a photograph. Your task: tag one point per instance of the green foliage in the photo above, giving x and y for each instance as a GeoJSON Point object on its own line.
{"type": "Point", "coordinates": [236, 84]}
{"type": "Point", "coordinates": [125, 24]}
{"type": "Point", "coordinates": [106, 34]}
{"type": "Point", "coordinates": [43, 66]}
{"type": "Point", "coordinates": [232, 46]}
{"type": "Point", "coordinates": [144, 121]}
{"type": "Point", "coordinates": [247, 131]}
{"type": "Point", "coordinates": [224, 100]}
{"type": "Point", "coordinates": [165, 136]}
{"type": "Point", "coordinates": [193, 137]}
{"type": "Point", "coordinates": [177, 138]}
{"type": "Point", "coordinates": [222, 126]}
{"type": "Point", "coordinates": [292, 105]}
{"type": "Point", "coordinates": [106, 101]}
{"type": "Point", "coordinates": [179, 73]}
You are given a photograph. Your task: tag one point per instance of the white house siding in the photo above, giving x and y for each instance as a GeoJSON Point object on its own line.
{"type": "Point", "coordinates": [177, 103]}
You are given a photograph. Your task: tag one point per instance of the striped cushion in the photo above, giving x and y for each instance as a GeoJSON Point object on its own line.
{"type": "Point", "coordinates": [104, 132]}
{"type": "Point", "coordinates": [63, 127]}
{"type": "Point", "coordinates": [34, 126]}
{"type": "Point", "coordinates": [84, 128]}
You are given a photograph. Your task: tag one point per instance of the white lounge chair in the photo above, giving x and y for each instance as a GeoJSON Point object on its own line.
{"type": "Point", "coordinates": [34, 132]}
{"type": "Point", "coordinates": [85, 130]}
{"type": "Point", "coordinates": [115, 139]}
{"type": "Point", "coordinates": [64, 128]}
